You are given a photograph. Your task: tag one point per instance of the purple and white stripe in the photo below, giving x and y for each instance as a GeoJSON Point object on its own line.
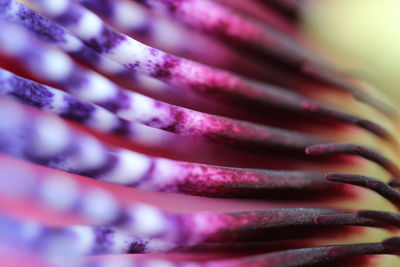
{"type": "Point", "coordinates": [50, 142]}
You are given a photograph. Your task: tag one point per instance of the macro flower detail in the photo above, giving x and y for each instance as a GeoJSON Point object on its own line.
{"type": "Point", "coordinates": [188, 133]}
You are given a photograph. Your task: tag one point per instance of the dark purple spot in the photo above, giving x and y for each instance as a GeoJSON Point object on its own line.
{"type": "Point", "coordinates": [118, 102]}
{"type": "Point", "coordinates": [107, 40]}
{"type": "Point", "coordinates": [86, 55]}
{"type": "Point", "coordinates": [172, 5]}
{"type": "Point", "coordinates": [76, 110]}
{"type": "Point", "coordinates": [43, 28]}
{"type": "Point", "coordinates": [133, 66]}
{"type": "Point", "coordinates": [75, 80]}
{"type": "Point", "coordinates": [103, 240]}
{"type": "Point", "coordinates": [164, 70]}
{"type": "Point", "coordinates": [145, 30]}
{"type": "Point", "coordinates": [103, 169]}
{"type": "Point", "coordinates": [126, 74]}
{"type": "Point", "coordinates": [137, 247]}
{"type": "Point", "coordinates": [123, 128]}
{"type": "Point", "coordinates": [30, 93]}
{"type": "Point", "coordinates": [100, 7]}
{"type": "Point", "coordinates": [71, 16]}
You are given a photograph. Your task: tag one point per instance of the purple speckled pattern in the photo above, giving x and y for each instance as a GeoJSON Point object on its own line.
{"type": "Point", "coordinates": [48, 31]}
{"type": "Point", "coordinates": [156, 31]}
{"type": "Point", "coordinates": [160, 174]}
{"type": "Point", "coordinates": [35, 95]}
{"type": "Point", "coordinates": [126, 105]}
{"type": "Point", "coordinates": [80, 240]}
{"type": "Point", "coordinates": [274, 96]}
{"type": "Point", "coordinates": [169, 118]}
{"type": "Point", "coordinates": [244, 33]}
{"type": "Point", "coordinates": [188, 74]}
{"type": "Point", "coordinates": [107, 40]}
{"type": "Point", "coordinates": [183, 229]}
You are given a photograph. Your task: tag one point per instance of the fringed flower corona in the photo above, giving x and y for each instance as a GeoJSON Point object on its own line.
{"type": "Point", "coordinates": [187, 133]}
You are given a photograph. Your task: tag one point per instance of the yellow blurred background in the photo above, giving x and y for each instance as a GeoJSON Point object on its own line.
{"type": "Point", "coordinates": [362, 37]}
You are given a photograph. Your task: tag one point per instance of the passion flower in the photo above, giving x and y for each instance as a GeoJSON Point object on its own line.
{"type": "Point", "coordinates": [213, 136]}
